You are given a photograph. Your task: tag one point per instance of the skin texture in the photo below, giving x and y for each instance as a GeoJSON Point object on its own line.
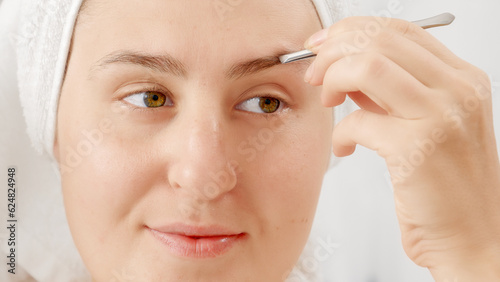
{"type": "Point", "coordinates": [428, 114]}
{"type": "Point", "coordinates": [201, 161]}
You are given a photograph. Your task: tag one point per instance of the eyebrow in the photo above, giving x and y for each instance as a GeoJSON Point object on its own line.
{"type": "Point", "coordinates": [163, 63]}
{"type": "Point", "coordinates": [168, 64]}
{"type": "Point", "coordinates": [252, 66]}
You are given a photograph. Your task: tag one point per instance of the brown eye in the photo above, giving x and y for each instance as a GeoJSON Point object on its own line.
{"type": "Point", "coordinates": [154, 99]}
{"type": "Point", "coordinates": [261, 105]}
{"type": "Point", "coordinates": [269, 105]}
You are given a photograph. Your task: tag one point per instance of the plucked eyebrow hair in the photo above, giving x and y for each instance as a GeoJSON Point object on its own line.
{"type": "Point", "coordinates": [167, 64]}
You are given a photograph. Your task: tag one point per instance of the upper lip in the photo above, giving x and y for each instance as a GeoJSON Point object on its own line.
{"type": "Point", "coordinates": [196, 231]}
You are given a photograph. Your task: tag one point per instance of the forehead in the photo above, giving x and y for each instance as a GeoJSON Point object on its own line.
{"type": "Point", "coordinates": [225, 10]}
{"type": "Point", "coordinates": [198, 32]}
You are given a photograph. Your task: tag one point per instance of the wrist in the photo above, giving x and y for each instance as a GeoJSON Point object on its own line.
{"type": "Point", "coordinates": [478, 265]}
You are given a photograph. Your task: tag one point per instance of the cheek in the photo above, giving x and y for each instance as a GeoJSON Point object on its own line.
{"type": "Point", "coordinates": [282, 184]}
{"type": "Point", "coordinates": [101, 182]}
{"type": "Point", "coordinates": [286, 173]}
{"type": "Point", "coordinates": [292, 168]}
{"type": "Point", "coordinates": [100, 195]}
{"type": "Point", "coordinates": [100, 172]}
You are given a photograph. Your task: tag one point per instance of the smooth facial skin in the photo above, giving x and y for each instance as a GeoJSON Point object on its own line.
{"type": "Point", "coordinates": [210, 160]}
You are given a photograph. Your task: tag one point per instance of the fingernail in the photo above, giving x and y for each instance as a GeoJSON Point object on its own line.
{"type": "Point", "coordinates": [316, 39]}
{"type": "Point", "coordinates": [309, 73]}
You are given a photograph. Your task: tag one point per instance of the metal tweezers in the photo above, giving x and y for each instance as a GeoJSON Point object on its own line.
{"type": "Point", "coordinates": [439, 20]}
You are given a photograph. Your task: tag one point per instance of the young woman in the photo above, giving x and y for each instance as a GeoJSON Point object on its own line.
{"type": "Point", "coordinates": [187, 152]}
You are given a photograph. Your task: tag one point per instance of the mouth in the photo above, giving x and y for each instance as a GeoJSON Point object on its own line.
{"type": "Point", "coordinates": [196, 242]}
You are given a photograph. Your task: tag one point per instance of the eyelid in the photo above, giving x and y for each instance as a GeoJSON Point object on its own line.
{"type": "Point", "coordinates": [136, 87]}
{"type": "Point", "coordinates": [270, 90]}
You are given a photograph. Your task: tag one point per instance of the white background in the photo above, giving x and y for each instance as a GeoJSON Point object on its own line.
{"type": "Point", "coordinates": [356, 207]}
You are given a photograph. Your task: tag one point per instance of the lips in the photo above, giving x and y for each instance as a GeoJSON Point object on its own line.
{"type": "Point", "coordinates": [197, 242]}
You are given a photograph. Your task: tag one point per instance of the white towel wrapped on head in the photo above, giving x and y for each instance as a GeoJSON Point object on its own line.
{"type": "Point", "coordinates": [43, 40]}
{"type": "Point", "coordinates": [330, 11]}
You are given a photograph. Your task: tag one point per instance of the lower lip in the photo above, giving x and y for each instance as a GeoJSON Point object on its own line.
{"type": "Point", "coordinates": [199, 247]}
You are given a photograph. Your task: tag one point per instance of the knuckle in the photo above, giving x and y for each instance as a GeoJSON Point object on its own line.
{"type": "Point", "coordinates": [376, 65]}
{"type": "Point", "coordinates": [482, 77]}
{"type": "Point", "coordinates": [467, 86]}
{"type": "Point", "coordinates": [404, 27]}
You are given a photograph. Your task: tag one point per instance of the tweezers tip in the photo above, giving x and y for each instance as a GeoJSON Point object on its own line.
{"type": "Point", "coordinates": [296, 56]}
{"type": "Point", "coordinates": [284, 59]}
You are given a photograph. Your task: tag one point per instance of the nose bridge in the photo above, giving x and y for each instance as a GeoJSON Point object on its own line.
{"type": "Point", "coordinates": [204, 131]}
{"type": "Point", "coordinates": [203, 164]}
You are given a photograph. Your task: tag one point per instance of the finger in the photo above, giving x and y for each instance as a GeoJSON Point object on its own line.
{"type": "Point", "coordinates": [380, 79]}
{"type": "Point", "coordinates": [365, 103]}
{"type": "Point", "coordinates": [372, 26]}
{"type": "Point", "coordinates": [415, 59]}
{"type": "Point", "coordinates": [371, 130]}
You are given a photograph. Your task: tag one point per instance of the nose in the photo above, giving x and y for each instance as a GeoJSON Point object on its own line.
{"type": "Point", "coordinates": [200, 159]}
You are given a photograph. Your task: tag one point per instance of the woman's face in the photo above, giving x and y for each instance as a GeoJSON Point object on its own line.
{"type": "Point", "coordinates": [186, 152]}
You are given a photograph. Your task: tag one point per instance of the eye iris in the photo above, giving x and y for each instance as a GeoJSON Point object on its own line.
{"type": "Point", "coordinates": [269, 105]}
{"type": "Point", "coordinates": [154, 99]}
